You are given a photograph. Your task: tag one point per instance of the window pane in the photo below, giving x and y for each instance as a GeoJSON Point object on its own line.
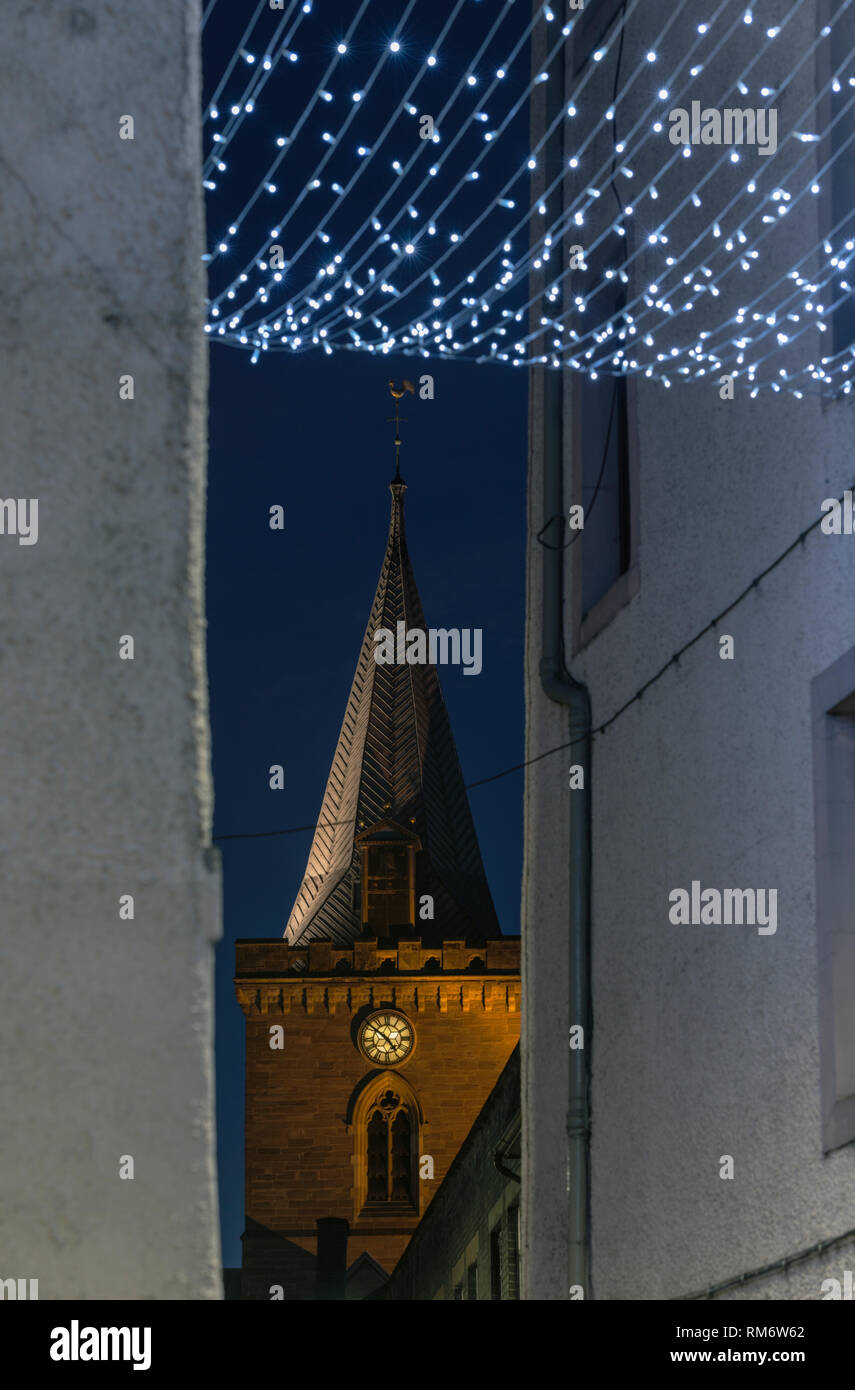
{"type": "Point", "coordinates": [378, 1169]}
{"type": "Point", "coordinates": [513, 1253]}
{"type": "Point", "coordinates": [387, 888]}
{"type": "Point", "coordinates": [605, 485]}
{"type": "Point", "coordinates": [842, 179]}
{"type": "Point", "coordinates": [401, 1158]}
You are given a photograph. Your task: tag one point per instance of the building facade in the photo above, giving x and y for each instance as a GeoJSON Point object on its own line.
{"type": "Point", "coordinates": [705, 1126]}
{"type": "Point", "coordinates": [378, 1026]}
{"type": "Point", "coordinates": [468, 1244]}
{"type": "Point", "coordinates": [111, 889]}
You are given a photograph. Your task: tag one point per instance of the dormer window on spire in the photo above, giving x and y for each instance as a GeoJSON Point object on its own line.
{"type": "Point", "coordinates": [388, 854]}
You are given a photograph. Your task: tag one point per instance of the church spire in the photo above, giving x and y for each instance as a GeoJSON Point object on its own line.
{"type": "Point", "coordinates": [395, 773]}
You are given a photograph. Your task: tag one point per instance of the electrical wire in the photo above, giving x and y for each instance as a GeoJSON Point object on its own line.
{"type": "Point", "coordinates": [783, 1264]}
{"type": "Point", "coordinates": [600, 729]}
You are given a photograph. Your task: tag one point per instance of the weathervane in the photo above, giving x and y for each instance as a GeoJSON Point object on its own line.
{"type": "Point", "coordinates": [397, 392]}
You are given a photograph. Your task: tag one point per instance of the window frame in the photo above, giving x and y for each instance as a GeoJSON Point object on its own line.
{"type": "Point", "coordinates": [387, 835]}
{"type": "Point", "coordinates": [594, 23]}
{"type": "Point", "coordinates": [627, 584]}
{"type": "Point", "coordinates": [389, 1120]}
{"type": "Point", "coordinates": [591, 27]}
{"type": "Point", "coordinates": [823, 69]}
{"type": "Point", "coordinates": [496, 1238]}
{"type": "Point", "coordinates": [832, 700]}
{"type": "Point", "coordinates": [360, 1110]}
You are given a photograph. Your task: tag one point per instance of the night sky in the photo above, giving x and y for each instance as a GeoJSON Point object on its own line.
{"type": "Point", "coordinates": [287, 609]}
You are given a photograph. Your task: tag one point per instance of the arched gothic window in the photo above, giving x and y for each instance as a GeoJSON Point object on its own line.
{"type": "Point", "coordinates": [386, 1120]}
{"type": "Point", "coordinates": [389, 1150]}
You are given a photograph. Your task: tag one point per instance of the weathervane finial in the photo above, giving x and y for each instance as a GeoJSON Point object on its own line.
{"type": "Point", "coordinates": [397, 392]}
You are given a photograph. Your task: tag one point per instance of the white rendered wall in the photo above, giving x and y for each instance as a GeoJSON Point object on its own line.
{"type": "Point", "coordinates": [706, 1039]}
{"type": "Point", "coordinates": [106, 1026]}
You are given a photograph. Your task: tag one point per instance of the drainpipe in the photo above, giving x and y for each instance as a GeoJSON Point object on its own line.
{"type": "Point", "coordinates": [560, 686]}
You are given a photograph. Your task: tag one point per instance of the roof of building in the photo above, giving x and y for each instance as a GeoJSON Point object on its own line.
{"type": "Point", "coordinates": [395, 761]}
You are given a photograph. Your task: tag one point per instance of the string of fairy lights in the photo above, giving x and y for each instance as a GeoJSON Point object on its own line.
{"type": "Point", "coordinates": [747, 249]}
{"type": "Point", "coordinates": [551, 233]}
{"type": "Point", "coordinates": [413, 228]}
{"type": "Point", "coordinates": [766, 317]}
{"type": "Point", "coordinates": [368, 154]}
{"type": "Point", "coordinates": [372, 153]}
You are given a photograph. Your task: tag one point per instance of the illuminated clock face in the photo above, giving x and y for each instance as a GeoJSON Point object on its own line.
{"type": "Point", "coordinates": [386, 1038]}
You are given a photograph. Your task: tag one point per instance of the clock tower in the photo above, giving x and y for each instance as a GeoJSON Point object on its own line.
{"type": "Point", "coordinates": [376, 1029]}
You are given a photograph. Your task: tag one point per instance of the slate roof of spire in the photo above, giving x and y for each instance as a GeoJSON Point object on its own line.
{"type": "Point", "coordinates": [395, 759]}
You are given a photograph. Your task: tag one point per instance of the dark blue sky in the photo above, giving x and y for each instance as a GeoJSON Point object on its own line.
{"type": "Point", "coordinates": [287, 609]}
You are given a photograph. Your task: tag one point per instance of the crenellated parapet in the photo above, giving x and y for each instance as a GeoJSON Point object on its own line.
{"type": "Point", "coordinates": [273, 978]}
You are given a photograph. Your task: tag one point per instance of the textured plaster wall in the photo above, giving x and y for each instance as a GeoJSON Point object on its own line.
{"type": "Point", "coordinates": [706, 1038]}
{"type": "Point", "coordinates": [544, 958]}
{"type": "Point", "coordinates": [106, 1026]}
